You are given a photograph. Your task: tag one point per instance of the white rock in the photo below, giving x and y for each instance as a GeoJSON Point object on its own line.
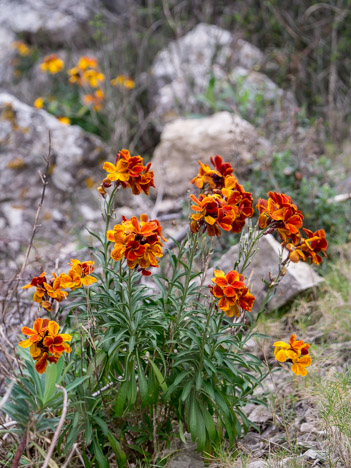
{"type": "Point", "coordinates": [181, 74]}
{"type": "Point", "coordinates": [257, 464]}
{"type": "Point", "coordinates": [50, 20]}
{"type": "Point", "coordinates": [184, 141]}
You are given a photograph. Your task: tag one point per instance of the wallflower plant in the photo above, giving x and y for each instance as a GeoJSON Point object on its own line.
{"type": "Point", "coordinates": [151, 358]}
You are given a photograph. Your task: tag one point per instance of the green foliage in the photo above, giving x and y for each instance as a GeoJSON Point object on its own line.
{"type": "Point", "coordinates": [149, 362]}
{"type": "Point", "coordinates": [312, 186]}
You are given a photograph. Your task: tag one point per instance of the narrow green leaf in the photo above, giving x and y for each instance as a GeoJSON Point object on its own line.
{"type": "Point", "coordinates": [121, 399]}
{"type": "Point", "coordinates": [159, 376]}
{"type": "Point", "coordinates": [50, 381]}
{"type": "Point", "coordinates": [121, 457]}
{"type": "Point", "coordinates": [99, 455]}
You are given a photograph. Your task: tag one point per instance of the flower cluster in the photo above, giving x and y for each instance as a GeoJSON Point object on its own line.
{"type": "Point", "coordinates": [280, 214]}
{"type": "Point", "coordinates": [22, 48]}
{"type": "Point", "coordinates": [139, 243]}
{"type": "Point", "coordinates": [45, 343]}
{"type": "Point", "coordinates": [48, 291]}
{"type": "Point", "coordinates": [224, 204]}
{"type": "Point", "coordinates": [309, 247]}
{"type": "Point", "coordinates": [233, 293]}
{"type": "Point", "coordinates": [52, 64]}
{"type": "Point", "coordinates": [122, 80]}
{"type": "Point", "coordinates": [87, 74]}
{"type": "Point", "coordinates": [96, 100]}
{"type": "Point", "coordinates": [295, 352]}
{"type": "Point", "coordinates": [128, 171]}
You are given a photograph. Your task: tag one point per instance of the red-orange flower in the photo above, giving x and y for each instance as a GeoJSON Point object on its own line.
{"type": "Point", "coordinates": [280, 213]}
{"type": "Point", "coordinates": [212, 214]}
{"type": "Point", "coordinates": [309, 248]}
{"type": "Point", "coordinates": [224, 197]}
{"type": "Point", "coordinates": [232, 293]}
{"type": "Point", "coordinates": [47, 291]}
{"type": "Point", "coordinates": [129, 171]}
{"type": "Point", "coordinates": [214, 178]}
{"type": "Point", "coordinates": [45, 343]}
{"type": "Point", "coordinates": [138, 242]}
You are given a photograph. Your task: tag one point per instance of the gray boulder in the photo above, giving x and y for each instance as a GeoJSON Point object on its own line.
{"type": "Point", "coordinates": [184, 141]}
{"type": "Point", "coordinates": [48, 21]}
{"type": "Point", "coordinates": [182, 73]}
{"type": "Point", "coordinates": [75, 157]}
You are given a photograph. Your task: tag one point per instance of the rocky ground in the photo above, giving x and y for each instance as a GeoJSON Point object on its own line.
{"type": "Point", "coordinates": [291, 426]}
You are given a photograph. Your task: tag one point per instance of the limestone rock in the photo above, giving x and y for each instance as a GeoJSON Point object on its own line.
{"type": "Point", "coordinates": [48, 21]}
{"type": "Point", "coordinates": [299, 277]}
{"type": "Point", "coordinates": [182, 72]}
{"type": "Point", "coordinates": [184, 141]}
{"type": "Point", "coordinates": [75, 155]}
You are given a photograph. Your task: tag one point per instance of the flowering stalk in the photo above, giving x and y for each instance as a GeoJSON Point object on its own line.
{"type": "Point", "coordinates": [109, 208]}
{"type": "Point", "coordinates": [193, 248]}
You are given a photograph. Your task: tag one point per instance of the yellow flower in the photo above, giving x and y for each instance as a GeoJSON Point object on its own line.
{"type": "Point", "coordinates": [21, 48]}
{"type": "Point", "coordinates": [94, 77]}
{"type": "Point", "coordinates": [87, 62]}
{"type": "Point", "coordinates": [79, 275]}
{"type": "Point", "coordinates": [96, 99]}
{"type": "Point", "coordinates": [296, 351]}
{"type": "Point", "coordinates": [39, 103]}
{"type": "Point", "coordinates": [119, 80]}
{"type": "Point", "coordinates": [122, 80]}
{"type": "Point", "coordinates": [52, 64]}
{"type": "Point", "coordinates": [64, 120]}
{"type": "Point", "coordinates": [300, 364]}
{"type": "Point", "coordinates": [129, 83]}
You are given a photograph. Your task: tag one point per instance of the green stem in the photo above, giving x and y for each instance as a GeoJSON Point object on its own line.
{"type": "Point", "coordinates": [130, 300]}
{"type": "Point", "coordinates": [108, 216]}
{"type": "Point", "coordinates": [186, 284]}
{"type": "Point", "coordinates": [204, 338]}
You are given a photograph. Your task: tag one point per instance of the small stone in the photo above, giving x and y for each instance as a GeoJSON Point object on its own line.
{"type": "Point", "coordinates": [314, 455]}
{"type": "Point", "coordinates": [260, 414]}
{"type": "Point", "coordinates": [307, 427]}
{"type": "Point", "coordinates": [257, 464]}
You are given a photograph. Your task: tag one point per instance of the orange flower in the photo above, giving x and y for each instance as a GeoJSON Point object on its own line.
{"type": "Point", "coordinates": [96, 99]}
{"type": "Point", "coordinates": [76, 75]}
{"type": "Point", "coordinates": [122, 80]}
{"type": "Point", "coordinates": [233, 293]}
{"type": "Point", "coordinates": [45, 343]}
{"type": "Point", "coordinates": [36, 334]}
{"type": "Point", "coordinates": [139, 243]}
{"type": "Point", "coordinates": [295, 352]}
{"type": "Point", "coordinates": [128, 171]}
{"type": "Point", "coordinates": [22, 48]}
{"type": "Point", "coordinates": [93, 77]}
{"type": "Point", "coordinates": [79, 275]}
{"type": "Point", "coordinates": [215, 178]}
{"type": "Point", "coordinates": [228, 193]}
{"type": "Point", "coordinates": [300, 364]}
{"type": "Point", "coordinates": [52, 64]}
{"type": "Point", "coordinates": [213, 213]}
{"type": "Point", "coordinates": [46, 291]}
{"type": "Point", "coordinates": [309, 248]}
{"type": "Point", "coordinates": [64, 120]}
{"type": "Point", "coordinates": [87, 62]}
{"type": "Point", "coordinates": [280, 214]}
